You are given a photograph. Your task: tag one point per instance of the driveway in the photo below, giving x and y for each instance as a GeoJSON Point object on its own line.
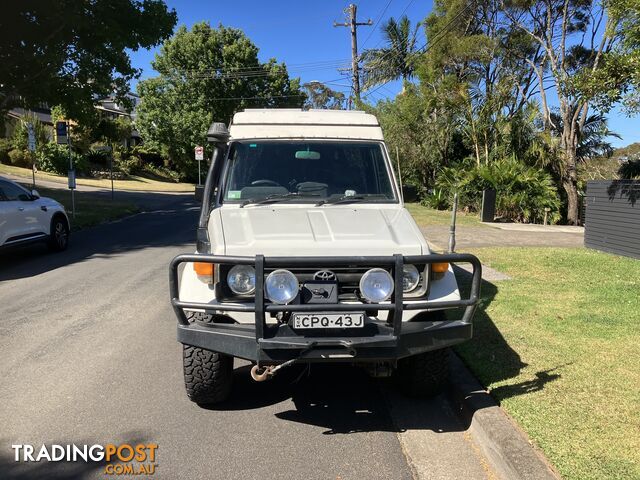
{"type": "Point", "coordinates": [494, 236]}
{"type": "Point", "coordinates": [88, 355]}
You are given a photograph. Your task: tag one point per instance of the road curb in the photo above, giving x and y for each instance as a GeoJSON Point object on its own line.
{"type": "Point", "coordinates": [503, 442]}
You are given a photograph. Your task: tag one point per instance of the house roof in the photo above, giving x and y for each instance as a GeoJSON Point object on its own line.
{"type": "Point", "coordinates": [44, 117]}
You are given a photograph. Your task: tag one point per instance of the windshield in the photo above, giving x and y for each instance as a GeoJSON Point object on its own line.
{"type": "Point", "coordinates": [300, 171]}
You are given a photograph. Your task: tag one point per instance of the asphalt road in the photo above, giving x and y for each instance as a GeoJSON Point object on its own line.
{"type": "Point", "coordinates": [88, 355]}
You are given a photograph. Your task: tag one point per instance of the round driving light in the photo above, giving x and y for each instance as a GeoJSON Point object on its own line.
{"type": "Point", "coordinates": [281, 286]}
{"type": "Point", "coordinates": [242, 279]}
{"type": "Point", "coordinates": [410, 277]}
{"type": "Point", "coordinates": [376, 285]}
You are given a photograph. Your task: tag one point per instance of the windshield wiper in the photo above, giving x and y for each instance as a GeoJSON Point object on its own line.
{"type": "Point", "coordinates": [342, 199]}
{"type": "Point", "coordinates": [276, 197]}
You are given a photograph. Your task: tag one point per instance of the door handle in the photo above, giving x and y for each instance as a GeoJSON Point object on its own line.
{"type": "Point", "coordinates": [21, 208]}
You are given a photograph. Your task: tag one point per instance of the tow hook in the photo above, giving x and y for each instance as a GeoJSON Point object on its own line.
{"type": "Point", "coordinates": [260, 374]}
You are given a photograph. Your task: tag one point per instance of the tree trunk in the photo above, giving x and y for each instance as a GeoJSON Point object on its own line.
{"type": "Point", "coordinates": [571, 188]}
{"type": "Point", "coordinates": [570, 176]}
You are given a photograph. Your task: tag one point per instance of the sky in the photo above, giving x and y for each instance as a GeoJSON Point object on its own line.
{"type": "Point", "coordinates": [301, 34]}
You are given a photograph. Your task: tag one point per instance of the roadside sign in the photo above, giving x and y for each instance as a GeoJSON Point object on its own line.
{"type": "Point", "coordinates": [199, 153]}
{"type": "Point", "coordinates": [61, 133]}
{"type": "Point", "coordinates": [31, 142]}
{"type": "Point", "coordinates": [72, 179]}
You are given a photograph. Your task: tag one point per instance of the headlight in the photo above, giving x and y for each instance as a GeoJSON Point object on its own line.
{"type": "Point", "coordinates": [410, 278]}
{"type": "Point", "coordinates": [376, 285]}
{"type": "Point", "coordinates": [242, 279]}
{"type": "Point", "coordinates": [281, 286]}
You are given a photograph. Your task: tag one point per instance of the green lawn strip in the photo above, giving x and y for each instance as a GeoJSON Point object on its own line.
{"type": "Point", "coordinates": [557, 346]}
{"type": "Point", "coordinates": [91, 209]}
{"type": "Point", "coordinates": [133, 182]}
{"type": "Point", "coordinates": [428, 216]}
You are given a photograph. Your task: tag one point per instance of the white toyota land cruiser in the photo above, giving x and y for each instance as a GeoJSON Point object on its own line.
{"type": "Point", "coordinates": [305, 253]}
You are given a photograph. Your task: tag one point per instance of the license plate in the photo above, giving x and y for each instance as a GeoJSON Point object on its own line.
{"type": "Point", "coordinates": [328, 320]}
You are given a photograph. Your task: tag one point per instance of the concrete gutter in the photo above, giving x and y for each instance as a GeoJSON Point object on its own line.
{"type": "Point", "coordinates": [536, 228]}
{"type": "Point", "coordinates": [506, 446]}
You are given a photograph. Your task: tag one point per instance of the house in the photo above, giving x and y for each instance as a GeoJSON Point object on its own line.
{"type": "Point", "coordinates": [107, 108]}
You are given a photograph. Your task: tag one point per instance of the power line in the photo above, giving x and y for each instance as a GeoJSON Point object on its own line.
{"type": "Point", "coordinates": [428, 45]}
{"type": "Point", "coordinates": [258, 98]}
{"type": "Point", "coordinates": [260, 72]}
{"type": "Point", "coordinates": [399, 16]}
{"type": "Point", "coordinates": [318, 62]}
{"type": "Point", "coordinates": [376, 23]}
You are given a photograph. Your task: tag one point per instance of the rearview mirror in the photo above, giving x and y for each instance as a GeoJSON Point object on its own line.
{"type": "Point", "coordinates": [307, 155]}
{"type": "Point", "coordinates": [35, 194]}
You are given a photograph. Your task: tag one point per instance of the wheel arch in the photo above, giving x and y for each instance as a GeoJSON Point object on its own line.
{"type": "Point", "coordinates": [64, 218]}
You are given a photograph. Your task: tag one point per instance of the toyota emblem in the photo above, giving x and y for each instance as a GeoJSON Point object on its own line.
{"type": "Point", "coordinates": [325, 276]}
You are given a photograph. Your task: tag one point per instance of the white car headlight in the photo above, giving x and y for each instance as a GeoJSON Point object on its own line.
{"type": "Point", "coordinates": [410, 278]}
{"type": "Point", "coordinates": [242, 279]}
{"type": "Point", "coordinates": [281, 286]}
{"type": "Point", "coordinates": [376, 285]}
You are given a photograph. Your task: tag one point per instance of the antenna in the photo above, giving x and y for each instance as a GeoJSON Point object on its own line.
{"type": "Point", "coordinates": [452, 228]}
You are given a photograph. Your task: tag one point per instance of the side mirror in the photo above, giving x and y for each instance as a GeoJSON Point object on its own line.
{"type": "Point", "coordinates": [409, 193]}
{"type": "Point", "coordinates": [35, 194]}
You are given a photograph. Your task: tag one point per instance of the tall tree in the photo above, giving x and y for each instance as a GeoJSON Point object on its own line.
{"type": "Point", "coordinates": [69, 52]}
{"type": "Point", "coordinates": [569, 32]}
{"type": "Point", "coordinates": [206, 74]}
{"type": "Point", "coordinates": [618, 78]}
{"type": "Point", "coordinates": [321, 96]}
{"type": "Point", "coordinates": [470, 43]}
{"type": "Point", "coordinates": [396, 59]}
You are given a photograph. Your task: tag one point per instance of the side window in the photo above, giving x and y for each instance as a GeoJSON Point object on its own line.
{"type": "Point", "coordinates": [13, 192]}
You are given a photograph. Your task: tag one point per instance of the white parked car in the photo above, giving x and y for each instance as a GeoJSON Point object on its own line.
{"type": "Point", "coordinates": [26, 217]}
{"type": "Point", "coordinates": [305, 253]}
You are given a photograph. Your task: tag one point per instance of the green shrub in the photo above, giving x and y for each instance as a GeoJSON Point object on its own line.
{"type": "Point", "coordinates": [149, 155]}
{"type": "Point", "coordinates": [20, 158]}
{"type": "Point", "coordinates": [436, 199]}
{"type": "Point", "coordinates": [522, 192]}
{"type": "Point", "coordinates": [20, 137]}
{"type": "Point", "coordinates": [129, 165]}
{"type": "Point", "coordinates": [98, 157]}
{"type": "Point", "coordinates": [5, 147]}
{"type": "Point", "coordinates": [55, 159]}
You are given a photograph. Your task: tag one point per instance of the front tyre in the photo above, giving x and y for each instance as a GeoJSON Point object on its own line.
{"type": "Point", "coordinates": [59, 236]}
{"type": "Point", "coordinates": [207, 375]}
{"type": "Point", "coordinates": [424, 375]}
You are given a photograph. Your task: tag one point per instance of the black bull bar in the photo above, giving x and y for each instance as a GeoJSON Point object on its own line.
{"type": "Point", "coordinates": [378, 340]}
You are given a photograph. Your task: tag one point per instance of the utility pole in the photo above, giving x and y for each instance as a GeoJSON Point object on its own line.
{"type": "Point", "coordinates": [353, 23]}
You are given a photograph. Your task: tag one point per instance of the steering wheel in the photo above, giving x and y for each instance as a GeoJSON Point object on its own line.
{"type": "Point", "coordinates": [262, 183]}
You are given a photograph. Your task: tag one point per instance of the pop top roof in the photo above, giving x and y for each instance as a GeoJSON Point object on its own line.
{"type": "Point", "coordinates": [297, 123]}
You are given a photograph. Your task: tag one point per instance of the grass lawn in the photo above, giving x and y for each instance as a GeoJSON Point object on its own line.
{"type": "Point", "coordinates": [559, 347]}
{"type": "Point", "coordinates": [133, 182]}
{"type": "Point", "coordinates": [428, 216]}
{"type": "Point", "coordinates": [91, 209]}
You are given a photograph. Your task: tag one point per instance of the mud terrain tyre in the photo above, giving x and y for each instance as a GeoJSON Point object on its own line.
{"type": "Point", "coordinates": [207, 375]}
{"type": "Point", "coordinates": [424, 375]}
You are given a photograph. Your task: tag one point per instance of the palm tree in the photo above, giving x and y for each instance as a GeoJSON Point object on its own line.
{"type": "Point", "coordinates": [395, 60]}
{"type": "Point", "coordinates": [592, 138]}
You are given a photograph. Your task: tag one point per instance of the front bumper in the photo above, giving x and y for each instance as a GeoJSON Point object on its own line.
{"type": "Point", "coordinates": [376, 341]}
